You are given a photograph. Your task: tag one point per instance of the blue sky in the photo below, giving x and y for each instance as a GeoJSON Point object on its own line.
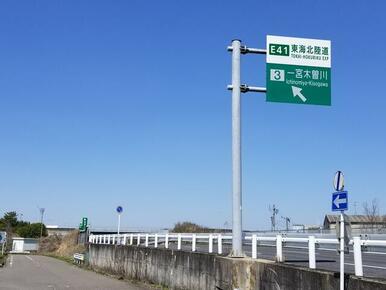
{"type": "Point", "coordinates": [106, 103]}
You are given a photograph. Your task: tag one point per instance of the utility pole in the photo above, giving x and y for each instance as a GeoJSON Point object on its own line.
{"type": "Point", "coordinates": [287, 222]}
{"type": "Point", "coordinates": [275, 211]}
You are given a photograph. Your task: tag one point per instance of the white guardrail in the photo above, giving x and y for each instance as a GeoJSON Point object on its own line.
{"type": "Point", "coordinates": [279, 241]}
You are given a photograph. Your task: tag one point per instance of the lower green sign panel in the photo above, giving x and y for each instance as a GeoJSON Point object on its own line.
{"type": "Point", "coordinates": [298, 84]}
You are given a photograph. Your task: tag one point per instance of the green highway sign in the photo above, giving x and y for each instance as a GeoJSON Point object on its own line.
{"type": "Point", "coordinates": [298, 70]}
{"type": "Point", "coordinates": [83, 224]}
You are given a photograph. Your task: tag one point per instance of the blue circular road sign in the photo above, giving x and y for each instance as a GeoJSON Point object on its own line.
{"type": "Point", "coordinates": [119, 209]}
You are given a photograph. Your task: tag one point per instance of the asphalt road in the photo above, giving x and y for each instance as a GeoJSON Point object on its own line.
{"type": "Point", "coordinates": [30, 272]}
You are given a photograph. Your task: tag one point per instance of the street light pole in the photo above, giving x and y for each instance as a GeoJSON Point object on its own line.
{"type": "Point", "coordinates": [41, 221]}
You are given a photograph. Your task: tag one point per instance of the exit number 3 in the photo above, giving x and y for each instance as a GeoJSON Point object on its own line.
{"type": "Point", "coordinates": [277, 75]}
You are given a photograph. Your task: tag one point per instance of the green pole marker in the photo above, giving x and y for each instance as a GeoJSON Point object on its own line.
{"type": "Point", "coordinates": [298, 70]}
{"type": "Point", "coordinates": [83, 224]}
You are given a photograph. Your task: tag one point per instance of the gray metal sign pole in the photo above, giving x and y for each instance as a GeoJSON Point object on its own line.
{"type": "Point", "coordinates": [237, 88]}
{"type": "Point", "coordinates": [119, 224]}
{"type": "Point", "coordinates": [237, 250]}
{"type": "Point", "coordinates": [341, 251]}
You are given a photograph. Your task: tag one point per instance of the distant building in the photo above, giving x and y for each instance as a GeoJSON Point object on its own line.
{"type": "Point", "coordinates": [57, 230]}
{"type": "Point", "coordinates": [24, 245]}
{"type": "Point", "coordinates": [300, 228]}
{"type": "Point", "coordinates": [357, 221]}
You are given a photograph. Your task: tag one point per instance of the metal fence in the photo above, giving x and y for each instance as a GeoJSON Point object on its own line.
{"type": "Point", "coordinates": [214, 243]}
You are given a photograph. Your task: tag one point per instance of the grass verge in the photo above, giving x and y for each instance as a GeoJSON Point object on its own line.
{"type": "Point", "coordinates": [62, 258]}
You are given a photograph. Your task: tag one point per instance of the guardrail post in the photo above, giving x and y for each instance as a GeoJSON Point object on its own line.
{"type": "Point", "coordinates": [131, 239]}
{"type": "Point", "coordinates": [358, 256]}
{"type": "Point", "coordinates": [279, 248]}
{"type": "Point", "coordinates": [166, 241]}
{"type": "Point", "coordinates": [219, 244]}
{"type": "Point", "coordinates": [146, 240]}
{"type": "Point", "coordinates": [156, 241]}
{"type": "Point", "coordinates": [179, 242]}
{"type": "Point", "coordinates": [254, 247]}
{"type": "Point", "coordinates": [113, 238]}
{"type": "Point", "coordinates": [311, 252]}
{"type": "Point", "coordinates": [138, 239]}
{"type": "Point", "coordinates": [104, 239]}
{"type": "Point", "coordinates": [125, 239]}
{"type": "Point", "coordinates": [210, 243]}
{"type": "Point", "coordinates": [194, 242]}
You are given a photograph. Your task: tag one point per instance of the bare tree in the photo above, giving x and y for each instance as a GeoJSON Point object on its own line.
{"type": "Point", "coordinates": [371, 211]}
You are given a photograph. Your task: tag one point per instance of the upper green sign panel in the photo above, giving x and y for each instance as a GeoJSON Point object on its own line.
{"type": "Point", "coordinates": [298, 70]}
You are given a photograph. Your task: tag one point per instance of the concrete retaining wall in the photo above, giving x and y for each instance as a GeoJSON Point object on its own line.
{"type": "Point", "coordinates": [187, 270]}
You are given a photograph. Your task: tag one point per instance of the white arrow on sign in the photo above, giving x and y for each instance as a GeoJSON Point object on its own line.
{"type": "Point", "coordinates": [338, 201]}
{"type": "Point", "coordinates": [298, 92]}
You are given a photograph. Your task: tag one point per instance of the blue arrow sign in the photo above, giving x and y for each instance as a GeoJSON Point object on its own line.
{"type": "Point", "coordinates": [340, 201]}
